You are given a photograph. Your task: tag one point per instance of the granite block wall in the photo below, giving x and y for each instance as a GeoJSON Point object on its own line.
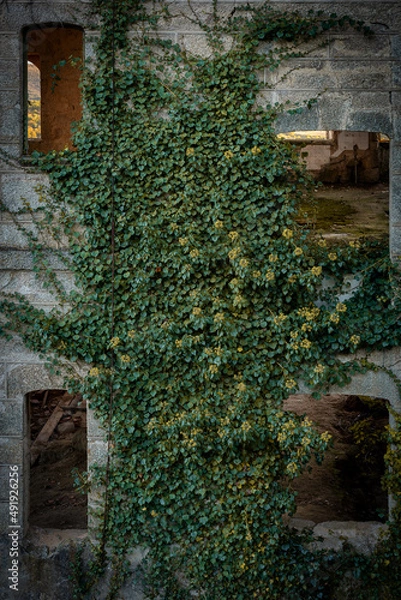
{"type": "Point", "coordinates": [362, 82]}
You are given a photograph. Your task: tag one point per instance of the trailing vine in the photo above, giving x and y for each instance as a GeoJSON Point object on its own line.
{"type": "Point", "coordinates": [200, 303]}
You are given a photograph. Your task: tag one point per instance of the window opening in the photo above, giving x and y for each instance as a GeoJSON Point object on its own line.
{"type": "Point", "coordinates": [58, 454]}
{"type": "Point", "coordinates": [34, 109]}
{"type": "Point", "coordinates": [308, 136]}
{"type": "Point", "coordinates": [53, 56]}
{"type": "Point", "coordinates": [347, 485]}
{"type": "Point", "coordinates": [351, 198]}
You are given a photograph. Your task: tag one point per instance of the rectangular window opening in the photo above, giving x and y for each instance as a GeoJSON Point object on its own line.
{"type": "Point", "coordinates": [58, 456]}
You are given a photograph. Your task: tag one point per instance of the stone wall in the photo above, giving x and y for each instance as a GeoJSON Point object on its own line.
{"type": "Point", "coordinates": [362, 82]}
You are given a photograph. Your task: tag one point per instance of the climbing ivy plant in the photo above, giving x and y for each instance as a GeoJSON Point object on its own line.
{"type": "Point", "coordinates": [199, 303]}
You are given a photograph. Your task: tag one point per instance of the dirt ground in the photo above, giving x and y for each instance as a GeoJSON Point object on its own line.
{"type": "Point", "coordinates": [54, 501]}
{"type": "Point", "coordinates": [347, 486]}
{"type": "Point", "coordinates": [349, 211]}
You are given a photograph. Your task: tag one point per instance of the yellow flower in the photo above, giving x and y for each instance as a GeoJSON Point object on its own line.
{"type": "Point", "coordinates": [279, 318]}
{"type": "Point", "coordinates": [233, 235]}
{"type": "Point", "coordinates": [287, 233]}
{"type": "Point", "coordinates": [316, 271]}
{"type": "Point", "coordinates": [246, 426]}
{"type": "Point", "coordinates": [218, 224]}
{"type": "Point", "coordinates": [322, 243]}
{"type": "Point", "coordinates": [173, 226]}
{"type": "Point", "coordinates": [292, 279]}
{"type": "Point", "coordinates": [234, 282]}
{"type": "Point", "coordinates": [234, 253]}
{"type": "Point", "coordinates": [341, 307]}
{"type": "Point", "coordinates": [355, 244]}
{"type": "Point", "coordinates": [326, 437]}
{"type": "Point", "coordinates": [305, 441]}
{"type": "Point", "coordinates": [281, 437]}
{"type": "Point", "coordinates": [189, 151]}
{"type": "Point", "coordinates": [125, 358]}
{"type": "Point", "coordinates": [256, 150]}
{"type": "Point", "coordinates": [208, 351]}
{"type": "Point", "coordinates": [218, 317]}
{"type": "Point", "coordinates": [194, 253]}
{"type": "Point", "coordinates": [295, 346]}
{"type": "Point", "coordinates": [244, 262]}
{"type": "Point", "coordinates": [355, 339]}
{"type": "Point", "coordinates": [334, 317]}
{"type": "Point", "coordinates": [241, 387]}
{"type": "Point", "coordinates": [332, 256]}
{"type": "Point", "coordinates": [178, 343]}
{"type": "Point", "coordinates": [306, 327]}
{"type": "Point", "coordinates": [310, 314]}
{"type": "Point", "coordinates": [218, 351]}
{"type": "Point", "coordinates": [196, 311]}
{"type": "Point", "coordinates": [256, 274]}
{"type": "Point", "coordinates": [238, 300]}
{"type": "Point", "coordinates": [294, 334]}
{"type": "Point", "coordinates": [131, 333]}
{"type": "Point", "coordinates": [298, 251]}
{"type": "Point", "coordinates": [273, 258]}
{"type": "Point", "coordinates": [290, 384]}
{"type": "Point", "coordinates": [319, 369]}
{"type": "Point", "coordinates": [292, 467]}
{"type": "Point", "coordinates": [114, 342]}
{"type": "Point", "coordinates": [213, 368]}
{"type": "Point", "coordinates": [305, 343]}
{"type": "Point", "coordinates": [228, 154]}
{"type": "Point", "coordinates": [240, 349]}
{"type": "Point", "coordinates": [94, 372]}
{"type": "Point", "coordinates": [270, 275]}
{"type": "Point", "coordinates": [183, 241]}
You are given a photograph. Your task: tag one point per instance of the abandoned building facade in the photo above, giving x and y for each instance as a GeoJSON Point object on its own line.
{"type": "Point", "coordinates": [361, 79]}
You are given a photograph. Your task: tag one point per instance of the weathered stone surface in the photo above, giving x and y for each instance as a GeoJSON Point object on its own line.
{"type": "Point", "coordinates": [396, 158]}
{"type": "Point", "coordinates": [2, 381]}
{"type": "Point", "coordinates": [4, 483]}
{"type": "Point", "coordinates": [363, 537]}
{"type": "Point", "coordinates": [9, 45]}
{"type": "Point", "coordinates": [14, 351]}
{"type": "Point", "coordinates": [95, 430]}
{"type": "Point", "coordinates": [396, 198]}
{"type": "Point", "coordinates": [11, 237]}
{"type": "Point", "coordinates": [19, 189]}
{"type": "Point", "coordinates": [26, 283]}
{"type": "Point", "coordinates": [22, 379]}
{"type": "Point", "coordinates": [21, 260]}
{"type": "Point", "coordinates": [351, 46]}
{"type": "Point", "coordinates": [97, 452]}
{"type": "Point", "coordinates": [395, 241]}
{"type": "Point", "coordinates": [10, 116]}
{"type": "Point", "coordinates": [11, 417]}
{"type": "Point", "coordinates": [11, 450]}
{"type": "Point", "coordinates": [9, 73]}
{"type": "Point", "coordinates": [46, 565]}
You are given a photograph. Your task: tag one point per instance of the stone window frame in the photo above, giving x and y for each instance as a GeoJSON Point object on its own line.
{"type": "Point", "coordinates": [28, 145]}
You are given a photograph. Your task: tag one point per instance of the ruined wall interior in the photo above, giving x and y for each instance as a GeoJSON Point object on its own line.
{"type": "Point", "coordinates": [59, 92]}
{"type": "Point", "coordinates": [362, 82]}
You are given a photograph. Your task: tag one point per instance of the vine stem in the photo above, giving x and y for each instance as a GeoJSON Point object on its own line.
{"type": "Point", "coordinates": [112, 316]}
